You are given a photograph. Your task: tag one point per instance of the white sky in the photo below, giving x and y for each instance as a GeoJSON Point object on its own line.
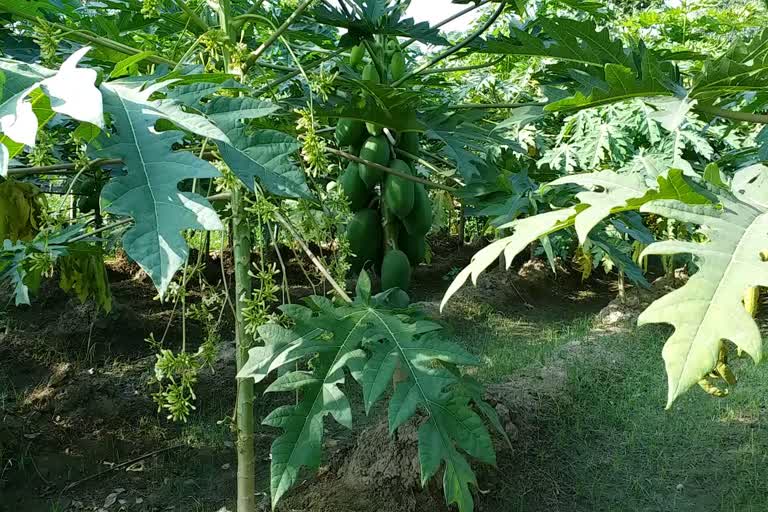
{"type": "Point", "coordinates": [435, 11]}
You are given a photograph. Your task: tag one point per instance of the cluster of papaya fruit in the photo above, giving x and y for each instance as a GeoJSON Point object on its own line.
{"type": "Point", "coordinates": [392, 215]}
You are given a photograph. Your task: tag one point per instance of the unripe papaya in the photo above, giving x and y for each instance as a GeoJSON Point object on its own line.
{"type": "Point", "coordinates": [398, 192]}
{"type": "Point", "coordinates": [419, 221]}
{"type": "Point", "coordinates": [395, 271]}
{"type": "Point", "coordinates": [365, 236]}
{"type": "Point", "coordinates": [356, 55]}
{"type": "Point", "coordinates": [397, 66]}
{"type": "Point", "coordinates": [354, 188]}
{"type": "Point", "coordinates": [415, 247]}
{"type": "Point", "coordinates": [375, 149]}
{"type": "Point", "coordinates": [409, 141]}
{"type": "Point", "coordinates": [370, 74]}
{"type": "Point", "coordinates": [349, 132]}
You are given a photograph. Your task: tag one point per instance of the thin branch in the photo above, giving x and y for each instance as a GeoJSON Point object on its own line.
{"type": "Point", "coordinates": [278, 32]}
{"type": "Point", "coordinates": [748, 117]}
{"type": "Point", "coordinates": [114, 225]}
{"type": "Point", "coordinates": [388, 170]}
{"type": "Point", "coordinates": [457, 47]}
{"type": "Point", "coordinates": [295, 234]}
{"type": "Point", "coordinates": [274, 83]}
{"type": "Point", "coordinates": [197, 20]}
{"type": "Point", "coordinates": [449, 19]}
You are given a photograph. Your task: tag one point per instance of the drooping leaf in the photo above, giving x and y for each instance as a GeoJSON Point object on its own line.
{"type": "Point", "coordinates": [708, 308]}
{"type": "Point", "coordinates": [610, 193]}
{"type": "Point", "coordinates": [148, 191]}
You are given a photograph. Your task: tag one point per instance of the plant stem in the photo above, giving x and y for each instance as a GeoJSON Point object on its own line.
{"type": "Point", "coordinates": [246, 456]}
{"type": "Point", "coordinates": [457, 47]}
{"type": "Point", "coordinates": [295, 234]}
{"type": "Point", "coordinates": [458, 15]}
{"type": "Point", "coordinates": [192, 15]}
{"type": "Point", "coordinates": [277, 33]}
{"type": "Point", "coordinates": [416, 179]}
{"type": "Point", "coordinates": [748, 117]}
{"type": "Point", "coordinates": [100, 230]}
{"type": "Point", "coordinates": [53, 169]}
{"type": "Point", "coordinates": [274, 83]}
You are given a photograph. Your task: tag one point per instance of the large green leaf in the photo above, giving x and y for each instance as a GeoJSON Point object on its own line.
{"type": "Point", "coordinates": [708, 308]}
{"type": "Point", "coordinates": [370, 341]}
{"type": "Point", "coordinates": [564, 39]}
{"type": "Point", "coordinates": [148, 192]}
{"type": "Point", "coordinates": [743, 68]}
{"type": "Point", "coordinates": [370, 18]}
{"type": "Point", "coordinates": [256, 156]}
{"type": "Point", "coordinates": [451, 423]}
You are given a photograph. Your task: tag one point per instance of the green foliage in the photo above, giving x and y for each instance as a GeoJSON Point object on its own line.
{"type": "Point", "coordinates": [148, 192]}
{"type": "Point", "coordinates": [369, 340]}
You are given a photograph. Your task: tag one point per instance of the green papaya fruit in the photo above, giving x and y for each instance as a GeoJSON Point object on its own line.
{"type": "Point", "coordinates": [375, 149]}
{"type": "Point", "coordinates": [349, 132]}
{"type": "Point", "coordinates": [415, 247]}
{"type": "Point", "coordinates": [395, 271]}
{"type": "Point", "coordinates": [356, 55]}
{"type": "Point", "coordinates": [419, 221]}
{"type": "Point", "coordinates": [399, 192]}
{"type": "Point", "coordinates": [354, 188]}
{"type": "Point", "coordinates": [370, 74]}
{"type": "Point", "coordinates": [397, 66]}
{"type": "Point", "coordinates": [365, 236]}
{"type": "Point", "coordinates": [409, 141]}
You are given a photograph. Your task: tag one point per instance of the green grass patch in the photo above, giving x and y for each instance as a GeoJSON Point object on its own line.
{"type": "Point", "coordinates": [609, 445]}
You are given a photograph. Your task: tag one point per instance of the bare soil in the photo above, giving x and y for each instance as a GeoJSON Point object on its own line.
{"type": "Point", "coordinates": [80, 431]}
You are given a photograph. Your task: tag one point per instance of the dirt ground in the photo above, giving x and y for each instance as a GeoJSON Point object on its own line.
{"type": "Point", "coordinates": [80, 431]}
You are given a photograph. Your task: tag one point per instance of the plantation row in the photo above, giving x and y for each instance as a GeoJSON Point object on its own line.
{"type": "Point", "coordinates": [600, 135]}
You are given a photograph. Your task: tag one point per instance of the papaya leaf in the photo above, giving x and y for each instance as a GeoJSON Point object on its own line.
{"type": "Point", "coordinates": [370, 19]}
{"type": "Point", "coordinates": [263, 155]}
{"type": "Point", "coordinates": [148, 192]}
{"type": "Point", "coordinates": [609, 193]}
{"type": "Point", "coordinates": [564, 39]}
{"type": "Point", "coordinates": [370, 340]}
{"type": "Point", "coordinates": [451, 423]}
{"type": "Point", "coordinates": [743, 67]}
{"type": "Point", "coordinates": [708, 308]}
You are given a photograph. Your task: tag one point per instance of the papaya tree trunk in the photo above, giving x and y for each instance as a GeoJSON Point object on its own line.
{"type": "Point", "coordinates": [246, 457]}
{"type": "Point", "coordinates": [751, 300]}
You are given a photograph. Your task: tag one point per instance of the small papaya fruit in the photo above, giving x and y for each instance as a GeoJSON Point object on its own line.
{"type": "Point", "coordinates": [356, 55]}
{"type": "Point", "coordinates": [414, 246]}
{"type": "Point", "coordinates": [395, 271]}
{"type": "Point", "coordinates": [354, 188]}
{"type": "Point", "coordinates": [370, 74]}
{"type": "Point", "coordinates": [397, 66]}
{"type": "Point", "coordinates": [349, 132]}
{"type": "Point", "coordinates": [419, 221]}
{"type": "Point", "coordinates": [409, 141]}
{"type": "Point", "coordinates": [375, 149]}
{"type": "Point", "coordinates": [399, 192]}
{"type": "Point", "coordinates": [365, 236]}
